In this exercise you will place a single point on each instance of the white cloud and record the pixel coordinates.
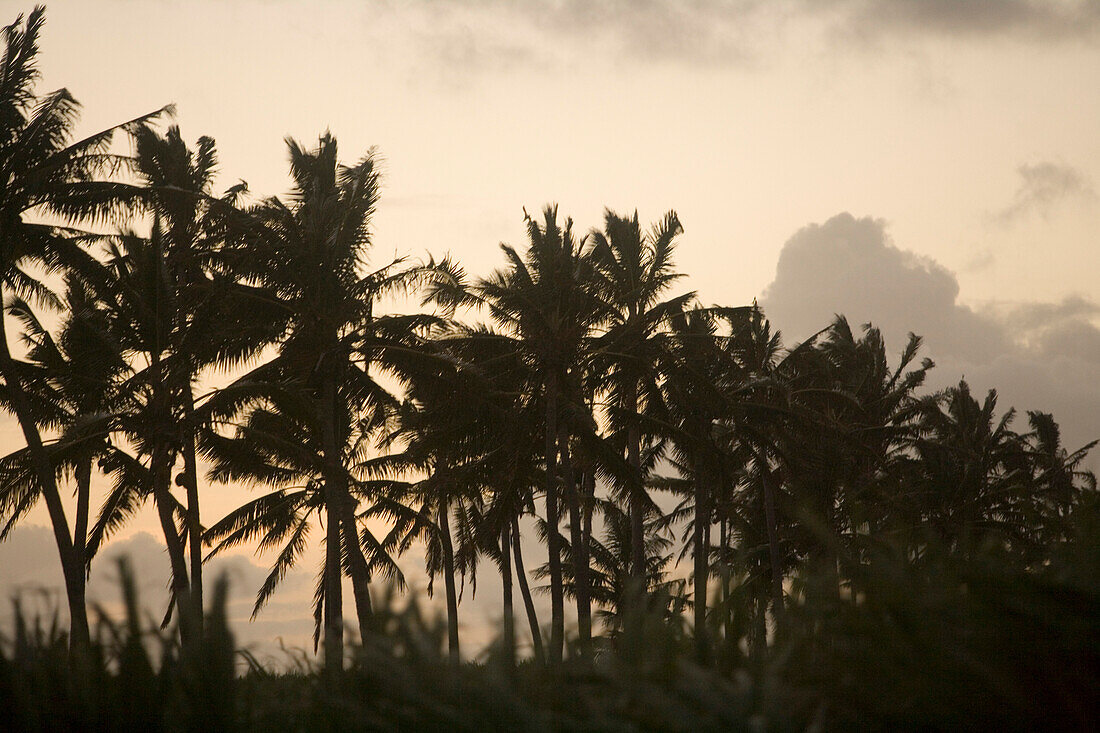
(1039, 356)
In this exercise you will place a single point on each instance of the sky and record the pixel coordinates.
(929, 165)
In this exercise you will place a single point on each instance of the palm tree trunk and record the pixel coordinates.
(525, 592)
(73, 571)
(83, 501)
(360, 570)
(580, 549)
(161, 470)
(508, 637)
(637, 515)
(557, 597)
(336, 491)
(194, 525)
(759, 645)
(334, 594)
(589, 484)
(342, 517)
(443, 519)
(724, 577)
(335, 527)
(701, 549)
(165, 504)
(770, 517)
(80, 528)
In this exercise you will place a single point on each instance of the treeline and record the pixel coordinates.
(580, 389)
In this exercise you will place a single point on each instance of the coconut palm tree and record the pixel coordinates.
(310, 254)
(1058, 480)
(546, 304)
(51, 189)
(466, 429)
(635, 270)
(70, 381)
(701, 373)
(972, 473)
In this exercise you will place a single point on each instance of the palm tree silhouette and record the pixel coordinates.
(545, 302)
(51, 187)
(70, 380)
(323, 386)
(635, 270)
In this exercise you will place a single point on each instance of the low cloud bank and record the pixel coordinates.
(1039, 356)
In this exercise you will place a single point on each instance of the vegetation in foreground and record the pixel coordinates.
(936, 645)
(862, 552)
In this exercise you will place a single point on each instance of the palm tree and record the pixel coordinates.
(439, 427)
(467, 429)
(142, 310)
(701, 371)
(50, 188)
(761, 409)
(1058, 480)
(310, 255)
(972, 474)
(546, 304)
(276, 442)
(635, 270)
(176, 309)
(190, 219)
(70, 381)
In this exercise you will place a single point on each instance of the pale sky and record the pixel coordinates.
(962, 138)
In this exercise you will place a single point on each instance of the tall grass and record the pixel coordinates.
(937, 643)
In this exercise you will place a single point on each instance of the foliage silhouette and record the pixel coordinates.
(771, 537)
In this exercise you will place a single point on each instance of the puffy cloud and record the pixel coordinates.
(1039, 356)
(1044, 186)
(849, 266)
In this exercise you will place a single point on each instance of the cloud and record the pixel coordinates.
(969, 19)
(500, 35)
(1039, 356)
(1043, 187)
(981, 261)
(849, 266)
(32, 571)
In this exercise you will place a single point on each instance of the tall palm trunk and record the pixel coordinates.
(72, 569)
(701, 551)
(759, 641)
(724, 577)
(443, 519)
(525, 592)
(580, 548)
(191, 483)
(636, 507)
(557, 597)
(162, 497)
(334, 528)
(508, 637)
(343, 528)
(83, 501)
(771, 518)
(334, 592)
(360, 569)
(588, 481)
(161, 477)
